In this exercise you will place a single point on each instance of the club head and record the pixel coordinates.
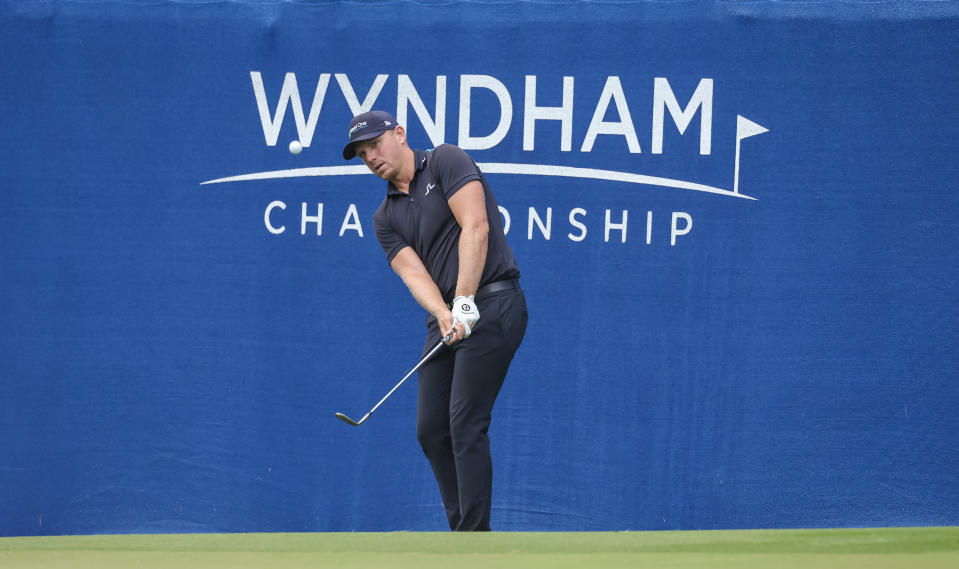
(347, 420)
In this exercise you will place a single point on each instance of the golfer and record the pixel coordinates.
(440, 228)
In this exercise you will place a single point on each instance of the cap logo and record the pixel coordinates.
(357, 127)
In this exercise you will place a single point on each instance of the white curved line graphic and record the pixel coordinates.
(500, 168)
(295, 173)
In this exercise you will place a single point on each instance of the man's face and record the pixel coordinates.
(383, 154)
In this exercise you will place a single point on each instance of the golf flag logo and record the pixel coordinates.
(744, 129)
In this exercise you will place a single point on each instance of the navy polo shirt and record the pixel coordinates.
(423, 219)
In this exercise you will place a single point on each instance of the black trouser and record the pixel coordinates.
(457, 389)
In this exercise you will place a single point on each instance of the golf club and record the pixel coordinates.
(349, 421)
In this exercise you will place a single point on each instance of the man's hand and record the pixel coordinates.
(448, 328)
(465, 313)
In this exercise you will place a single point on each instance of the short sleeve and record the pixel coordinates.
(391, 241)
(452, 168)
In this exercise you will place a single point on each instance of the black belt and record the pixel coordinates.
(490, 288)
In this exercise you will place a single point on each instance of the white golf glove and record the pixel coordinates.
(466, 313)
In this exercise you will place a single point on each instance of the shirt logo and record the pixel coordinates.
(428, 188)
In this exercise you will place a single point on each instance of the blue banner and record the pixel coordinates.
(735, 224)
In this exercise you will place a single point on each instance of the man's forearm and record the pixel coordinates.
(425, 292)
(472, 254)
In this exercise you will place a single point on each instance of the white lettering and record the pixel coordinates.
(434, 124)
(506, 220)
(289, 94)
(577, 224)
(681, 222)
(663, 97)
(317, 219)
(544, 229)
(613, 90)
(675, 231)
(356, 107)
(354, 224)
(532, 113)
(619, 226)
(467, 84)
(406, 95)
(266, 217)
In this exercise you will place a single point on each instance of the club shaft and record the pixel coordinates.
(397, 386)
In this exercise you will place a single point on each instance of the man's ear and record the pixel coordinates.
(401, 133)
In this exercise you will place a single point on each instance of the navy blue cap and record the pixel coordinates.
(366, 126)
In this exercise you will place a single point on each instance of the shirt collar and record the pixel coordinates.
(419, 159)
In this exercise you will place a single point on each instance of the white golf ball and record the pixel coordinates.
(296, 147)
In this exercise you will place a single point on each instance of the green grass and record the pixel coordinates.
(912, 548)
